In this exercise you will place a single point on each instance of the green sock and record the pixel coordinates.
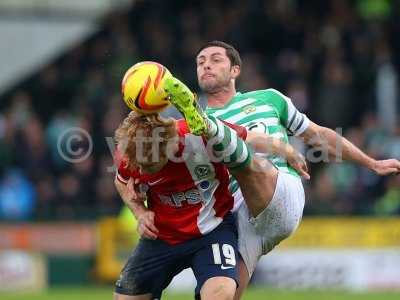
(226, 145)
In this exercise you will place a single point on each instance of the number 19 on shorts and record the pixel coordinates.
(228, 254)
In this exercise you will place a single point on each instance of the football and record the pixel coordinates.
(142, 87)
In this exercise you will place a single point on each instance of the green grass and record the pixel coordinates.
(105, 293)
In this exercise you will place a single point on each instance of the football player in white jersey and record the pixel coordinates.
(274, 197)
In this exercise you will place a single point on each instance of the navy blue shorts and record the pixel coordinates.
(154, 263)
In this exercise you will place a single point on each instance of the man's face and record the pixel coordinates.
(153, 167)
(214, 70)
(157, 148)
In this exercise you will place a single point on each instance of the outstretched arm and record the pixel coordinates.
(319, 136)
(263, 143)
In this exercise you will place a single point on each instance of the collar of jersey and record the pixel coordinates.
(226, 104)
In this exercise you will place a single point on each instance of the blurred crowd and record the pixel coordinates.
(337, 60)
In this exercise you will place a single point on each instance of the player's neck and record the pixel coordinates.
(220, 98)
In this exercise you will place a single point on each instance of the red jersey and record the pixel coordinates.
(189, 197)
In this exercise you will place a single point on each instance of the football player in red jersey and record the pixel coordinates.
(188, 221)
(188, 214)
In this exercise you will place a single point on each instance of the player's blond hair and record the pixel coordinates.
(142, 126)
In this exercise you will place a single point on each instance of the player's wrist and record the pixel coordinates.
(139, 210)
(371, 164)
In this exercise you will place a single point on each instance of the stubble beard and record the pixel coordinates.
(210, 88)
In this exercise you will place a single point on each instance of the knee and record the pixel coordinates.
(227, 295)
(219, 289)
(220, 292)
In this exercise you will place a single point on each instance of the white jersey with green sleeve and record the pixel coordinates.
(267, 111)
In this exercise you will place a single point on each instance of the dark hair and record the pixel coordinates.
(231, 52)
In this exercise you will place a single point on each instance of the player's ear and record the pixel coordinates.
(235, 71)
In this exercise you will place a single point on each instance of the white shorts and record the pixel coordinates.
(282, 216)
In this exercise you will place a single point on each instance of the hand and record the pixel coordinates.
(145, 217)
(386, 167)
(298, 162)
(146, 227)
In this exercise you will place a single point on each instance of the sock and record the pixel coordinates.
(226, 145)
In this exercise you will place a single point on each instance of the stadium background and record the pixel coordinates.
(62, 62)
